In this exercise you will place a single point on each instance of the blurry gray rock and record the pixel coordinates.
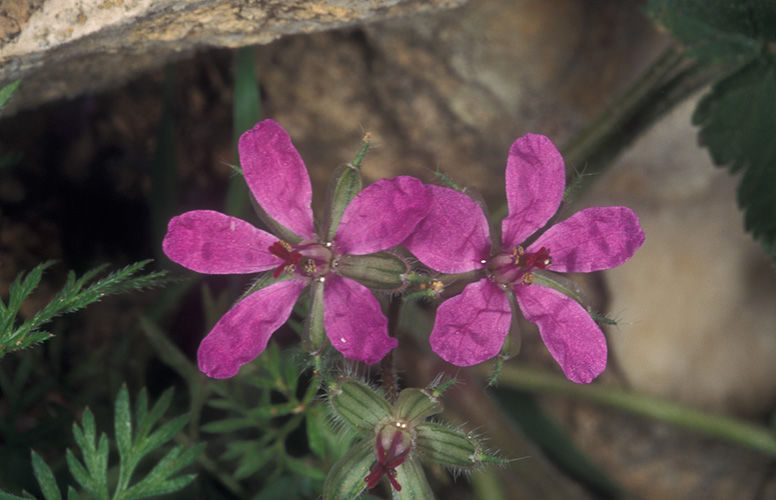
(63, 48)
(696, 301)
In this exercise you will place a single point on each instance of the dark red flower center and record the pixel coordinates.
(306, 259)
(398, 442)
(515, 267)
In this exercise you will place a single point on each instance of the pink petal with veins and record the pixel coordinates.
(592, 239)
(354, 323)
(471, 327)
(381, 216)
(568, 331)
(213, 243)
(453, 238)
(243, 332)
(535, 179)
(278, 177)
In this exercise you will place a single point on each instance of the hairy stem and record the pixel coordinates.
(387, 365)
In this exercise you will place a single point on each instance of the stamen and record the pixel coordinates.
(283, 250)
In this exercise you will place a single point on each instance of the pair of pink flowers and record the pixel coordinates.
(443, 228)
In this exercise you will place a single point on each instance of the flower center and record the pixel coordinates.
(515, 267)
(392, 448)
(307, 259)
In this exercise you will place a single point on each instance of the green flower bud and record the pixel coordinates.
(359, 405)
(450, 447)
(344, 186)
(345, 480)
(412, 479)
(382, 271)
(314, 332)
(416, 405)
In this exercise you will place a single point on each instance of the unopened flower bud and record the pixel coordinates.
(359, 405)
(381, 271)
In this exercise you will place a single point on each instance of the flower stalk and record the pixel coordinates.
(734, 430)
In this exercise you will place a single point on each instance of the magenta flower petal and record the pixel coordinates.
(354, 323)
(471, 327)
(277, 177)
(592, 239)
(243, 332)
(381, 216)
(453, 238)
(213, 243)
(568, 331)
(535, 179)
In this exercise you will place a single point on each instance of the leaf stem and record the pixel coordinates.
(731, 429)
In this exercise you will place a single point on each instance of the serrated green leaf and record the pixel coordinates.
(737, 119)
(719, 30)
(48, 485)
(72, 494)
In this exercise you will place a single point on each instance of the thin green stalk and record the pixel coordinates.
(731, 429)
(387, 365)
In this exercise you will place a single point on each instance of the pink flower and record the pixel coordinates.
(378, 218)
(471, 327)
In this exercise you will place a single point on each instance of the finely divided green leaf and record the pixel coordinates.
(737, 119)
(123, 423)
(76, 294)
(48, 485)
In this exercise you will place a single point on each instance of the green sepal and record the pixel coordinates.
(381, 271)
(345, 480)
(560, 283)
(415, 405)
(345, 185)
(413, 482)
(445, 446)
(264, 280)
(359, 405)
(314, 332)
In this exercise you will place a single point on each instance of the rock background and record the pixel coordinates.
(449, 91)
(65, 47)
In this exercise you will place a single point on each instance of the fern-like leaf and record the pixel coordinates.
(76, 294)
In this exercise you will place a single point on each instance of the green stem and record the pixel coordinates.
(356, 163)
(731, 429)
(387, 365)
